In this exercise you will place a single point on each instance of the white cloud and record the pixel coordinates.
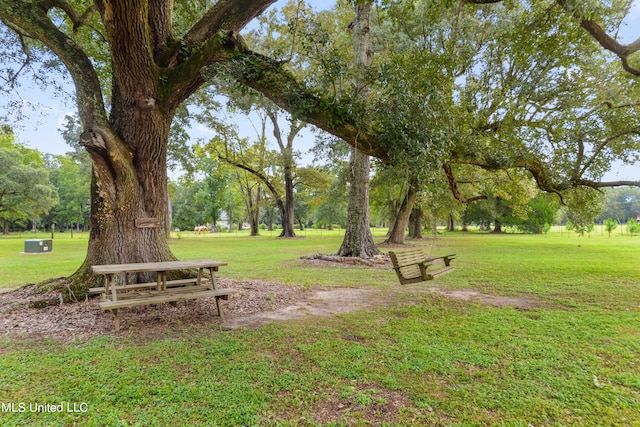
(62, 118)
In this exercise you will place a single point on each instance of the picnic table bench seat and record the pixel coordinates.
(133, 286)
(115, 296)
(412, 266)
(159, 297)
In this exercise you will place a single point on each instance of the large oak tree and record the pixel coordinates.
(152, 73)
(133, 64)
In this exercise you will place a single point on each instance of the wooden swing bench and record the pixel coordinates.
(412, 266)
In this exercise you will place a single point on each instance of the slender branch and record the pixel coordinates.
(603, 145)
(262, 177)
(25, 49)
(35, 23)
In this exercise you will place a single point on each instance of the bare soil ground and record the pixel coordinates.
(254, 304)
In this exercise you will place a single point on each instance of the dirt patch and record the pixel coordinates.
(493, 300)
(319, 303)
(254, 304)
(364, 405)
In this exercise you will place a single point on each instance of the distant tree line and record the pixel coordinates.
(40, 190)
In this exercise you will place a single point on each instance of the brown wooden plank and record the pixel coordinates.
(165, 297)
(170, 283)
(150, 292)
(141, 267)
(148, 223)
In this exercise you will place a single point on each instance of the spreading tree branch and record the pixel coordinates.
(34, 22)
(270, 78)
(622, 51)
(453, 185)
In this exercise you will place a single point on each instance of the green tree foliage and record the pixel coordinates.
(201, 198)
(185, 213)
(71, 175)
(610, 225)
(25, 189)
(633, 227)
(542, 212)
(621, 204)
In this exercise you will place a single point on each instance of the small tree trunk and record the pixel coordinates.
(253, 210)
(286, 209)
(397, 233)
(5, 230)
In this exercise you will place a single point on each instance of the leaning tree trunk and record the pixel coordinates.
(358, 240)
(397, 232)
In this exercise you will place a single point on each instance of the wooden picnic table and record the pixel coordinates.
(115, 295)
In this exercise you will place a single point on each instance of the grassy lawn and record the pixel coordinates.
(426, 360)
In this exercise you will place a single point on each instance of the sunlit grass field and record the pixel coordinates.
(425, 360)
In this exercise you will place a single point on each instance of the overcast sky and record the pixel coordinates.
(40, 131)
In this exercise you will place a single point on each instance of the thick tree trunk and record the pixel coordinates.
(129, 203)
(397, 233)
(358, 240)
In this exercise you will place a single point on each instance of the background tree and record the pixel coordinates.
(610, 225)
(71, 176)
(186, 213)
(633, 227)
(276, 169)
(25, 189)
(358, 240)
(330, 196)
(210, 196)
(621, 204)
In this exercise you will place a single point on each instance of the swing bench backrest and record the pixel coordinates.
(412, 265)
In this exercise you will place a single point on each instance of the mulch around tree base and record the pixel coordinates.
(255, 303)
(84, 320)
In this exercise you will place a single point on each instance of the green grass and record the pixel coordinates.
(574, 361)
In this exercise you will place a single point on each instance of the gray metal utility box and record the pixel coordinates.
(38, 246)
